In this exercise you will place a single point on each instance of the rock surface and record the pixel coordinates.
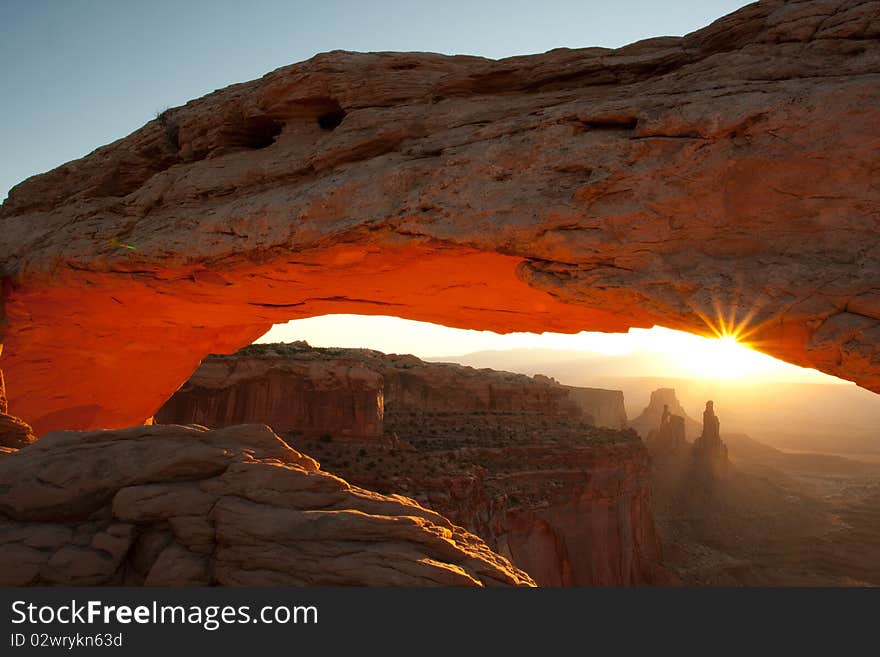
(512, 458)
(669, 436)
(606, 407)
(15, 432)
(571, 510)
(709, 447)
(316, 397)
(347, 392)
(650, 419)
(173, 505)
(726, 179)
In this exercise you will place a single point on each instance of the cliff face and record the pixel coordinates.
(176, 506)
(606, 407)
(414, 385)
(570, 516)
(347, 392)
(571, 510)
(341, 397)
(725, 177)
(512, 458)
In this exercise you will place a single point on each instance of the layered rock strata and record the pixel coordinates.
(339, 397)
(348, 392)
(570, 513)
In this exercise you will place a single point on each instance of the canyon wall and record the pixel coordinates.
(606, 407)
(721, 181)
(570, 516)
(184, 506)
(571, 509)
(341, 397)
(346, 392)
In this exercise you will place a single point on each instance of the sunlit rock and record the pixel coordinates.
(175, 506)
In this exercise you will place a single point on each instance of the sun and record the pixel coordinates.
(723, 357)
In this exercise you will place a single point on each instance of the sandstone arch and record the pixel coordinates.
(728, 175)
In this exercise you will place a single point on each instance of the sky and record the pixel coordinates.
(77, 74)
(679, 354)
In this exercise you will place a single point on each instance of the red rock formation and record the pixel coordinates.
(4, 404)
(570, 513)
(582, 516)
(605, 407)
(709, 447)
(669, 436)
(172, 506)
(725, 177)
(344, 392)
(15, 432)
(341, 397)
(663, 400)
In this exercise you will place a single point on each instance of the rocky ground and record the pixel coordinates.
(172, 505)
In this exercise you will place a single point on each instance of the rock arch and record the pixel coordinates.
(729, 177)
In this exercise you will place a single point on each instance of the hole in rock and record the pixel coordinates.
(331, 120)
(256, 132)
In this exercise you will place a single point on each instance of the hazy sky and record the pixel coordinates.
(77, 74)
(677, 354)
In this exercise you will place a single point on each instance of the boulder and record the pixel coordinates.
(180, 506)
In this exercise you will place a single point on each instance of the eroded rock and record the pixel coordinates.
(179, 506)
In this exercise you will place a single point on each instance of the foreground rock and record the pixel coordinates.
(14, 432)
(172, 505)
(725, 177)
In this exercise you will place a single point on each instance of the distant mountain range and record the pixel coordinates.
(804, 416)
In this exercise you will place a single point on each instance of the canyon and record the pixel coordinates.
(724, 180)
(516, 460)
